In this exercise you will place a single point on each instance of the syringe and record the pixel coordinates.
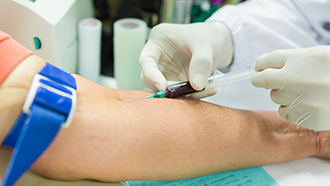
(217, 79)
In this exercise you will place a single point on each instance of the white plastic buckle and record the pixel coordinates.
(33, 90)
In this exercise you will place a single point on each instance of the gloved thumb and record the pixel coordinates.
(155, 86)
(204, 93)
(200, 68)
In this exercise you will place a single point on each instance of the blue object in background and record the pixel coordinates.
(243, 177)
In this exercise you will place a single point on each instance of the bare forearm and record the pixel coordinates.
(167, 139)
(193, 139)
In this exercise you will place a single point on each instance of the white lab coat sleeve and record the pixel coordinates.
(261, 26)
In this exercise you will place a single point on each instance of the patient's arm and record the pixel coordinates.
(160, 139)
(112, 140)
(13, 92)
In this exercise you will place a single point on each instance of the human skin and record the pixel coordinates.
(158, 139)
(13, 92)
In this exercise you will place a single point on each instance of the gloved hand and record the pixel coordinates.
(300, 83)
(176, 52)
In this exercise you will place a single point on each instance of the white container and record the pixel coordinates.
(90, 31)
(130, 36)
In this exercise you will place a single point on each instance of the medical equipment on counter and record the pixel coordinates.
(217, 79)
(46, 27)
(49, 105)
(90, 33)
(173, 11)
(130, 36)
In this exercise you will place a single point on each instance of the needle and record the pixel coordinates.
(159, 94)
(136, 99)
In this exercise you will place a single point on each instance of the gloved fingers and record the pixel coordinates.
(302, 117)
(200, 67)
(152, 76)
(174, 73)
(311, 118)
(275, 59)
(149, 85)
(287, 113)
(283, 97)
(268, 79)
(172, 82)
(296, 114)
(204, 94)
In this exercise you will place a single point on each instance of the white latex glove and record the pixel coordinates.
(182, 52)
(300, 83)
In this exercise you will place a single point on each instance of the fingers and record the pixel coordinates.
(284, 113)
(200, 68)
(274, 59)
(151, 75)
(204, 94)
(268, 79)
(285, 97)
(297, 115)
(149, 85)
(281, 98)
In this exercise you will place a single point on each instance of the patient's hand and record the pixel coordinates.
(161, 139)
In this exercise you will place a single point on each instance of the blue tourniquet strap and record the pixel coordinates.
(35, 137)
(13, 135)
(50, 106)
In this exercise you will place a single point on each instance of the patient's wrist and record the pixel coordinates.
(13, 92)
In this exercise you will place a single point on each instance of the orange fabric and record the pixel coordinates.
(11, 54)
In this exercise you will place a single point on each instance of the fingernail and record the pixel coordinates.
(160, 87)
(199, 80)
(212, 92)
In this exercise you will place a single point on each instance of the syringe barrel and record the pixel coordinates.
(217, 79)
(239, 75)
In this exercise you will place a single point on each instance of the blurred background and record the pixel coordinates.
(100, 40)
(152, 12)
